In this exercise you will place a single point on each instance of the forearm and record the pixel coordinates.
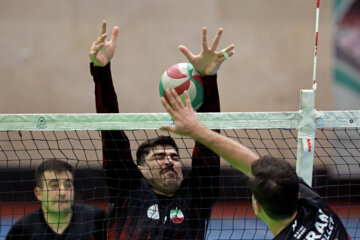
(211, 101)
(120, 172)
(105, 95)
(203, 156)
(233, 152)
(117, 158)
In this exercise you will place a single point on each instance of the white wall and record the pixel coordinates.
(44, 51)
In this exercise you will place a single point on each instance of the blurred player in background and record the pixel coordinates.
(59, 217)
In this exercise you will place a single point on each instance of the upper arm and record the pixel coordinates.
(121, 173)
(119, 168)
(205, 162)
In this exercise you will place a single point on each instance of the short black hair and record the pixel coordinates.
(275, 186)
(148, 145)
(51, 165)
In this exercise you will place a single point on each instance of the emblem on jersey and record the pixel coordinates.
(294, 225)
(176, 215)
(153, 212)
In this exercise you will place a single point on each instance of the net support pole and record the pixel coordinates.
(306, 135)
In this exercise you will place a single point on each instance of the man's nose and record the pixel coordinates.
(63, 188)
(168, 160)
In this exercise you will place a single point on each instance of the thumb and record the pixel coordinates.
(188, 54)
(167, 128)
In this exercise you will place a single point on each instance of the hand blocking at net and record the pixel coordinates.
(185, 120)
(188, 124)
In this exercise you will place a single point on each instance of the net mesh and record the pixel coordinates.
(336, 173)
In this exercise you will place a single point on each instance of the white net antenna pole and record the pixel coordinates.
(307, 126)
(316, 43)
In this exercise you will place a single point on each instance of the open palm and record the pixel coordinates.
(208, 61)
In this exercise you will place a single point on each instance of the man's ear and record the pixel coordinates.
(141, 167)
(256, 205)
(37, 192)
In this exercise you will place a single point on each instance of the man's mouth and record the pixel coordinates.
(169, 171)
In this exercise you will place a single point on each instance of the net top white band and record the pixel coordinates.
(129, 121)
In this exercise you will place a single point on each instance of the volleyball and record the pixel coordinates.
(181, 77)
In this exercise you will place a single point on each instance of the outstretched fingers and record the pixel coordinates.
(204, 39)
(96, 47)
(227, 52)
(177, 110)
(187, 99)
(165, 102)
(174, 100)
(173, 103)
(99, 42)
(114, 35)
(169, 109)
(229, 49)
(103, 28)
(101, 39)
(216, 40)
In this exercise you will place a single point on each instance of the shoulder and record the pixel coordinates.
(316, 218)
(32, 217)
(306, 191)
(80, 207)
(87, 210)
(27, 224)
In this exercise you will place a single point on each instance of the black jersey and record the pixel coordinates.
(87, 223)
(137, 212)
(314, 220)
(146, 215)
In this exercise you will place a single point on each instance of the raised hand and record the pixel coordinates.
(184, 117)
(186, 123)
(208, 61)
(102, 51)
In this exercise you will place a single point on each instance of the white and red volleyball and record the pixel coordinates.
(181, 77)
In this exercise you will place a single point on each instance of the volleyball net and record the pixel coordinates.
(323, 146)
